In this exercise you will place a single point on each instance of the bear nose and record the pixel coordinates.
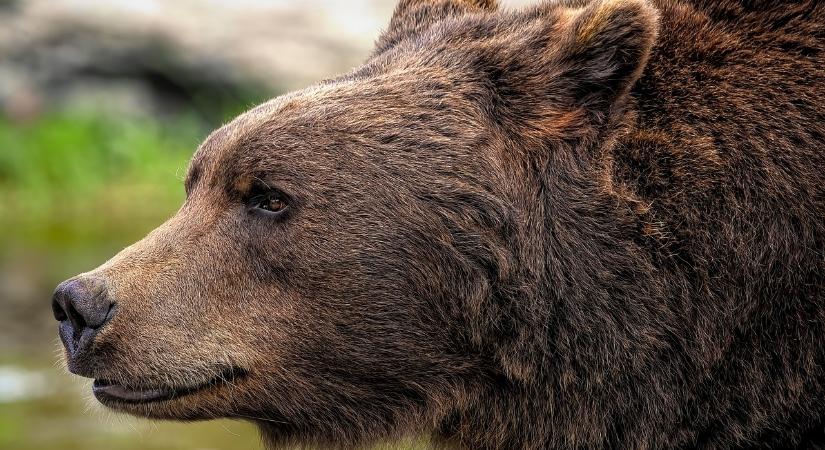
(81, 306)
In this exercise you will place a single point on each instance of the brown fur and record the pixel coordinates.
(587, 224)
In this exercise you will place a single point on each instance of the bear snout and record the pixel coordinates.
(82, 306)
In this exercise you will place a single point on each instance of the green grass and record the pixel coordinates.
(68, 179)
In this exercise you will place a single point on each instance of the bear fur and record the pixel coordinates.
(585, 224)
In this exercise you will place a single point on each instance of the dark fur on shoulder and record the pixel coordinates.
(585, 224)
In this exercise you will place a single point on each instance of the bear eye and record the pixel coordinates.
(271, 202)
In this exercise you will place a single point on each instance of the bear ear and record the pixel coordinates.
(570, 75)
(413, 16)
(604, 49)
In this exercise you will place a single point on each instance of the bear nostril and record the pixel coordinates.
(58, 311)
(77, 320)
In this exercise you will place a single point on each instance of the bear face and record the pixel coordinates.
(299, 259)
(346, 261)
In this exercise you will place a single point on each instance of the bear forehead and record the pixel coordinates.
(423, 103)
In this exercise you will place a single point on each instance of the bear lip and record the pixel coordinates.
(108, 391)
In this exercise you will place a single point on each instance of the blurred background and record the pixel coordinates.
(102, 103)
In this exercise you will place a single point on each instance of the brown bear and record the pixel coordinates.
(585, 224)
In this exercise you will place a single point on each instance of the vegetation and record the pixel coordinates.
(70, 179)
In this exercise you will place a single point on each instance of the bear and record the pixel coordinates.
(579, 224)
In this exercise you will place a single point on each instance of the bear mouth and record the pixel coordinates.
(107, 391)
